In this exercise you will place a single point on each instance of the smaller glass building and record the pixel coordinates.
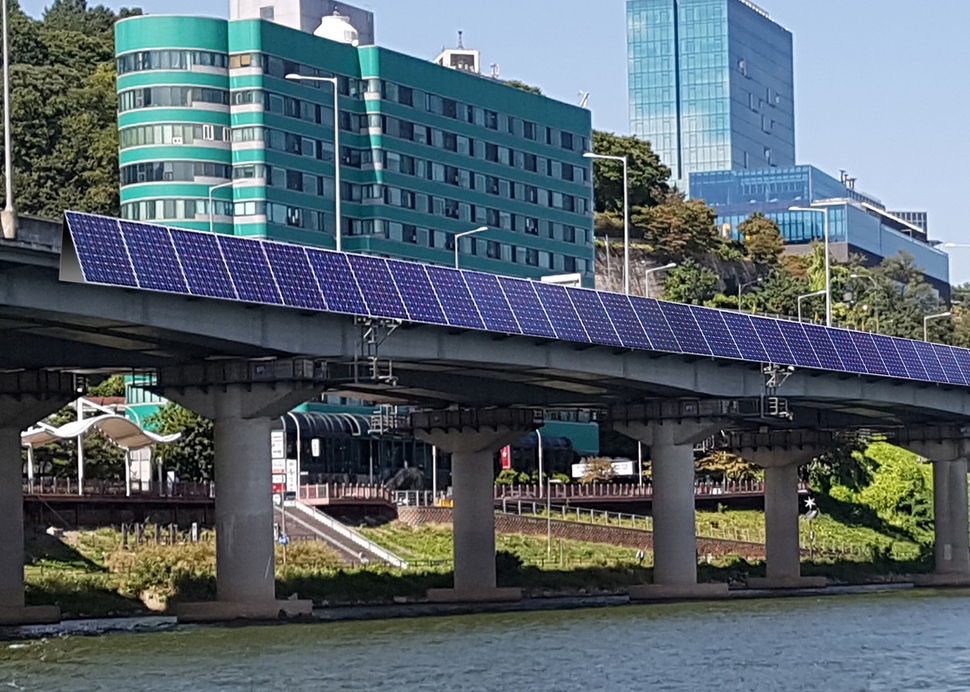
(858, 220)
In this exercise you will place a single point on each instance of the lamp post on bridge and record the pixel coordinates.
(926, 323)
(807, 295)
(459, 236)
(828, 263)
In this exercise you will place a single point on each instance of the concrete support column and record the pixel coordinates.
(783, 553)
(472, 438)
(25, 398)
(242, 399)
(951, 519)
(674, 540)
(474, 521)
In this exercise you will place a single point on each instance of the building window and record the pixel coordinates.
(266, 13)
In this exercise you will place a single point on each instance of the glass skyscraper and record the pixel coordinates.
(711, 84)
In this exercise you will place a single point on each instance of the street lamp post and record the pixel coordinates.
(926, 323)
(540, 458)
(807, 295)
(648, 272)
(626, 212)
(458, 236)
(549, 485)
(338, 232)
(875, 284)
(742, 286)
(9, 214)
(828, 264)
(212, 212)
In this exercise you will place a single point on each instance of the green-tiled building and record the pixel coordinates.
(426, 151)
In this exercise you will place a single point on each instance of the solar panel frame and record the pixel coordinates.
(337, 282)
(294, 276)
(825, 350)
(890, 356)
(716, 333)
(249, 268)
(594, 317)
(869, 353)
(555, 300)
(929, 360)
(625, 321)
(377, 287)
(101, 250)
(205, 269)
(492, 304)
(948, 361)
(773, 340)
(747, 339)
(416, 291)
(847, 350)
(526, 307)
(153, 257)
(455, 298)
(798, 344)
(689, 335)
(911, 360)
(962, 356)
(655, 324)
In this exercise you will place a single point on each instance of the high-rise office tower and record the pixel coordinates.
(711, 84)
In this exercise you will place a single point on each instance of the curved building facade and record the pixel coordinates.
(173, 120)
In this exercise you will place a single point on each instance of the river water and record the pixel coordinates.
(914, 640)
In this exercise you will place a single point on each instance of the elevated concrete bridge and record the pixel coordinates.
(480, 389)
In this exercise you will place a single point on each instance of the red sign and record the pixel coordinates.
(279, 488)
(506, 455)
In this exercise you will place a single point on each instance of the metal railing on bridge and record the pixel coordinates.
(595, 491)
(336, 493)
(64, 487)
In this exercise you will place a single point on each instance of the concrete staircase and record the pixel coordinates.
(354, 548)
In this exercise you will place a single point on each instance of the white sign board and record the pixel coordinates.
(277, 444)
(620, 468)
(292, 476)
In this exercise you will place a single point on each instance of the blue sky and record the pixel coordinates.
(880, 84)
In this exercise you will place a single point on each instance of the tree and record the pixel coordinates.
(598, 470)
(778, 293)
(762, 239)
(191, 457)
(110, 387)
(678, 228)
(647, 175)
(516, 84)
(689, 282)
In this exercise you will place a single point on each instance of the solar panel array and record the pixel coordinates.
(124, 253)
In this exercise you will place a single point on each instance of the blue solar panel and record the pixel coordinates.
(655, 324)
(416, 292)
(202, 263)
(377, 287)
(337, 282)
(847, 350)
(716, 332)
(890, 356)
(685, 327)
(747, 339)
(298, 286)
(526, 307)
(250, 271)
(593, 315)
(455, 298)
(774, 343)
(932, 364)
(911, 360)
(133, 254)
(492, 303)
(827, 354)
(562, 314)
(949, 362)
(869, 353)
(153, 257)
(625, 321)
(101, 250)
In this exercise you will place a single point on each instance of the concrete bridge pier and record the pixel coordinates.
(949, 452)
(671, 444)
(242, 399)
(782, 550)
(25, 398)
(472, 437)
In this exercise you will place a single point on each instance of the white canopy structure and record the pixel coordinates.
(120, 430)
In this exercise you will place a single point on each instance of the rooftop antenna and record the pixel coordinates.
(461, 44)
(584, 101)
(496, 70)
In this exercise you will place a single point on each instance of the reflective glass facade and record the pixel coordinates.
(711, 84)
(855, 218)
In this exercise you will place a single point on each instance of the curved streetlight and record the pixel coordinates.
(742, 286)
(828, 265)
(926, 323)
(480, 229)
(626, 213)
(212, 212)
(648, 272)
(338, 233)
(803, 297)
